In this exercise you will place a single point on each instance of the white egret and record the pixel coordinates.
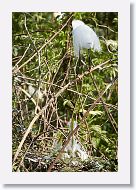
(84, 37)
(75, 147)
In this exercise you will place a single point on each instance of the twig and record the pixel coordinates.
(63, 148)
(21, 57)
(76, 129)
(79, 77)
(104, 105)
(44, 45)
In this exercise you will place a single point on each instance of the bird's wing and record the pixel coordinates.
(76, 44)
(87, 38)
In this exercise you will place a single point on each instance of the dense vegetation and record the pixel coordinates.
(57, 100)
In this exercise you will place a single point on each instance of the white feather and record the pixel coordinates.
(84, 37)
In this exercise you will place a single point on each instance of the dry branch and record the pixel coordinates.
(44, 45)
(79, 77)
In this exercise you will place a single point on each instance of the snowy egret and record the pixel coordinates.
(84, 37)
(74, 146)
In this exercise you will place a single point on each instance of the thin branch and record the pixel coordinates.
(76, 129)
(44, 45)
(50, 101)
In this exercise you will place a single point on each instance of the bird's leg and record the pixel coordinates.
(79, 59)
(89, 59)
(79, 64)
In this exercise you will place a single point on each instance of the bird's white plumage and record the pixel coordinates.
(84, 37)
(76, 23)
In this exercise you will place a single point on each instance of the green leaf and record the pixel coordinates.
(68, 103)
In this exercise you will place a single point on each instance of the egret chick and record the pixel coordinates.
(84, 37)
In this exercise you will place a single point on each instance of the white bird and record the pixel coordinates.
(74, 146)
(84, 37)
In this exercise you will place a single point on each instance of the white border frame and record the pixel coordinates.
(6, 174)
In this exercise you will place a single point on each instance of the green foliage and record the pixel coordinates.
(43, 60)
